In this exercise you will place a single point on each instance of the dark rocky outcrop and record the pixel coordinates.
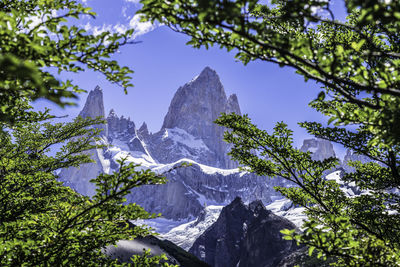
(244, 235)
(175, 255)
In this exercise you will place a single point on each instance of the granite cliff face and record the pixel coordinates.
(193, 109)
(191, 188)
(94, 107)
(78, 178)
(321, 149)
(244, 235)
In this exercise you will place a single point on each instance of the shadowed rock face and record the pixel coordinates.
(188, 188)
(119, 126)
(143, 131)
(196, 106)
(352, 156)
(94, 107)
(320, 149)
(78, 178)
(244, 236)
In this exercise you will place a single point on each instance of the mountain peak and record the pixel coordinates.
(207, 72)
(97, 88)
(232, 105)
(112, 113)
(94, 107)
(194, 108)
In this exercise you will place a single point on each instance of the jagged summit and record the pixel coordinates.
(119, 126)
(194, 108)
(233, 104)
(143, 131)
(94, 107)
(208, 73)
(112, 113)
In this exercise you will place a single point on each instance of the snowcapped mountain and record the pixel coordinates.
(193, 199)
(188, 134)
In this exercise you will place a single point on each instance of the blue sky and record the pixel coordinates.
(163, 62)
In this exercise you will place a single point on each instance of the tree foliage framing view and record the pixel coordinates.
(42, 222)
(357, 63)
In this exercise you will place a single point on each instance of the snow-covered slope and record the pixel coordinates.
(185, 234)
(285, 208)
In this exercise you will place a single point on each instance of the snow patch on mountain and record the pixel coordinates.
(162, 225)
(285, 208)
(103, 161)
(162, 168)
(335, 176)
(180, 136)
(120, 150)
(185, 234)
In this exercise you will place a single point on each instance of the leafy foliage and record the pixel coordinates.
(360, 230)
(352, 59)
(37, 40)
(42, 222)
(357, 64)
(45, 222)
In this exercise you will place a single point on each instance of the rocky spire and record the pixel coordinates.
(94, 107)
(119, 126)
(196, 106)
(79, 178)
(143, 130)
(232, 105)
(112, 113)
(200, 100)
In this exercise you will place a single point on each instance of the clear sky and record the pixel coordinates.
(163, 62)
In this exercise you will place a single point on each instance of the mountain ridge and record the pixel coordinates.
(212, 179)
